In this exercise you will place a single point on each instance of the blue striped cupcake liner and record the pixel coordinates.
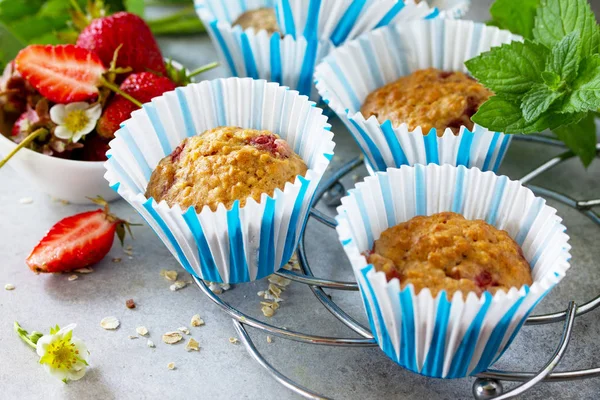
(351, 72)
(453, 9)
(445, 337)
(259, 55)
(233, 245)
(341, 20)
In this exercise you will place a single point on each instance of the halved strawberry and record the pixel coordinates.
(77, 241)
(63, 73)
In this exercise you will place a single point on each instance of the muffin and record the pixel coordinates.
(259, 19)
(445, 251)
(429, 98)
(223, 165)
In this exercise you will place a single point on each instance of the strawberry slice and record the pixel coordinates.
(63, 73)
(77, 241)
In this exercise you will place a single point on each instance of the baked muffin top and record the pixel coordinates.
(429, 98)
(447, 252)
(223, 165)
(259, 19)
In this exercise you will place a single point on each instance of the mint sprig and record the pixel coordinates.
(550, 82)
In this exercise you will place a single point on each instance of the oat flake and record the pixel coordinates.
(86, 270)
(26, 200)
(269, 340)
(183, 329)
(169, 275)
(133, 337)
(72, 278)
(197, 321)
(172, 337)
(178, 285)
(233, 340)
(141, 330)
(171, 365)
(150, 343)
(116, 260)
(192, 344)
(110, 323)
(9, 286)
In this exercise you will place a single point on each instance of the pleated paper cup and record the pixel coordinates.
(243, 243)
(351, 72)
(341, 20)
(246, 53)
(453, 9)
(445, 337)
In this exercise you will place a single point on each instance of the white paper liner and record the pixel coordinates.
(453, 9)
(351, 72)
(260, 55)
(244, 243)
(457, 337)
(342, 20)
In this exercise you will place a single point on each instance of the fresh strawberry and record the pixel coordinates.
(77, 241)
(94, 148)
(139, 49)
(24, 122)
(143, 86)
(63, 73)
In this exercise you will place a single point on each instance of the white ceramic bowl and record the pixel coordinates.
(69, 180)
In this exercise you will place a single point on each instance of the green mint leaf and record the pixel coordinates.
(515, 16)
(580, 138)
(11, 10)
(585, 95)
(538, 100)
(503, 114)
(11, 44)
(565, 57)
(511, 69)
(551, 79)
(557, 18)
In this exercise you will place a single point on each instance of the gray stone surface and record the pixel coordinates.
(126, 369)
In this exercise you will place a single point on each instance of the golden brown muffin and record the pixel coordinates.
(259, 19)
(429, 98)
(445, 251)
(223, 165)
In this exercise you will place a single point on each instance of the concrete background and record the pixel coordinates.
(127, 369)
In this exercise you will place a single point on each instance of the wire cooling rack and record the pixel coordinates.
(488, 385)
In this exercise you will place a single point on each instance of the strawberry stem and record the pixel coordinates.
(24, 335)
(203, 68)
(118, 91)
(32, 136)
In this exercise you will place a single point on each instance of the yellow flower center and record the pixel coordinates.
(61, 354)
(76, 120)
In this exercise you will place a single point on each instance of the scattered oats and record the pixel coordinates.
(287, 267)
(197, 321)
(192, 344)
(172, 337)
(130, 303)
(116, 260)
(168, 275)
(129, 247)
(218, 288)
(65, 202)
(269, 340)
(128, 252)
(26, 200)
(141, 330)
(178, 285)
(275, 290)
(261, 293)
(9, 286)
(233, 340)
(171, 365)
(110, 323)
(279, 280)
(267, 311)
(183, 329)
(72, 277)
(130, 258)
(133, 337)
(355, 178)
(86, 270)
(150, 344)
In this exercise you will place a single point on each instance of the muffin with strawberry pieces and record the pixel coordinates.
(224, 165)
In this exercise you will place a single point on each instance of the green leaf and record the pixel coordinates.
(501, 114)
(555, 19)
(34, 26)
(516, 16)
(511, 69)
(11, 44)
(551, 79)
(565, 57)
(580, 138)
(538, 100)
(134, 6)
(11, 10)
(585, 94)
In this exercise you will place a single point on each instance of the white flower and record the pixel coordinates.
(74, 120)
(63, 355)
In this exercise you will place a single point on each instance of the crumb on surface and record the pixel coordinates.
(130, 303)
